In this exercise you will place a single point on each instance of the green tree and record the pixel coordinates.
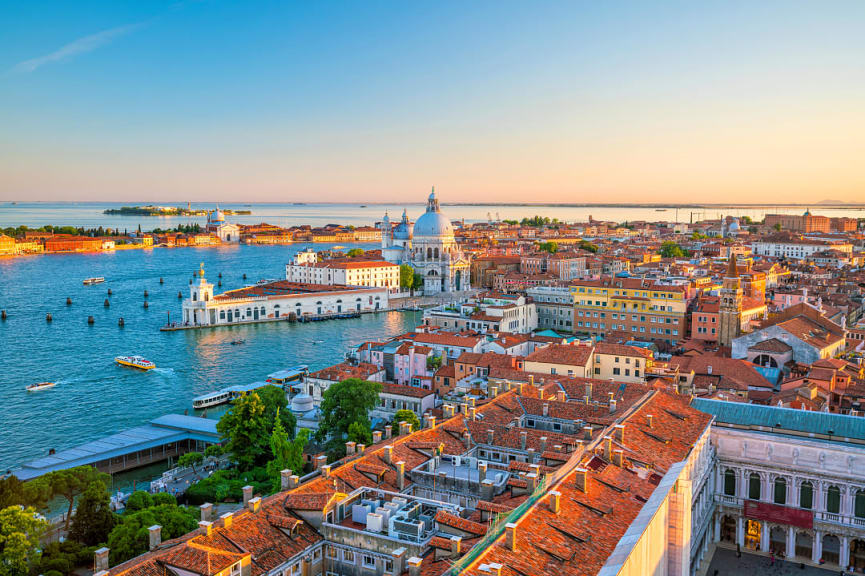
(20, 531)
(14, 492)
(777, 226)
(190, 459)
(406, 277)
(345, 403)
(287, 454)
(274, 400)
(214, 451)
(93, 518)
(71, 483)
(588, 246)
(245, 431)
(670, 249)
(130, 538)
(416, 281)
(551, 247)
(433, 363)
(138, 500)
(359, 433)
(355, 252)
(405, 416)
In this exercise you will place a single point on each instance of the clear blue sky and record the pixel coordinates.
(376, 101)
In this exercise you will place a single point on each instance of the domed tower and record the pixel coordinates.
(434, 251)
(386, 237)
(730, 310)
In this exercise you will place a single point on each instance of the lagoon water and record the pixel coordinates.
(94, 397)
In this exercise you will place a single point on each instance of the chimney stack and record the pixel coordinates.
(320, 461)
(587, 432)
(482, 470)
(494, 391)
(612, 406)
(207, 527)
(154, 536)
(404, 428)
(618, 456)
(588, 391)
(448, 410)
(472, 413)
(468, 439)
(255, 504)
(456, 546)
(400, 475)
(285, 479)
(581, 476)
(523, 437)
(205, 510)
(650, 420)
(376, 436)
(388, 454)
(226, 519)
(432, 421)
(398, 556)
(555, 497)
(247, 495)
(425, 421)
(325, 471)
(388, 432)
(361, 448)
(350, 448)
(619, 433)
(490, 435)
(414, 566)
(294, 481)
(543, 444)
(511, 536)
(608, 447)
(546, 409)
(100, 559)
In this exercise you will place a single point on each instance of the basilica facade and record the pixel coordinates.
(429, 247)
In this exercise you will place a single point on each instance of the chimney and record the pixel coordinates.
(376, 436)
(587, 432)
(320, 461)
(294, 481)
(560, 396)
(325, 471)
(206, 527)
(555, 496)
(543, 444)
(388, 432)
(414, 566)
(650, 420)
(361, 448)
(472, 413)
(587, 399)
(589, 390)
(540, 392)
(619, 433)
(472, 401)
(400, 475)
(490, 435)
(520, 388)
(255, 504)
(350, 447)
(154, 536)
(285, 479)
(404, 428)
(100, 559)
(468, 438)
(487, 489)
(482, 470)
(456, 546)
(425, 421)
(612, 406)
(306, 566)
(448, 410)
(511, 536)
(530, 454)
(523, 437)
(531, 379)
(247, 495)
(581, 476)
(618, 456)
(546, 409)
(205, 511)
(388, 454)
(398, 556)
(432, 421)
(494, 391)
(226, 519)
(608, 447)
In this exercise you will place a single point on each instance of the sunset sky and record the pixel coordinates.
(377, 101)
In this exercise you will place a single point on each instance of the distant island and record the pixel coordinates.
(166, 211)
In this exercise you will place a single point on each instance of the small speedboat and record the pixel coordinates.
(94, 280)
(135, 362)
(238, 342)
(40, 386)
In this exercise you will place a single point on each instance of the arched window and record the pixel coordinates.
(833, 500)
(780, 491)
(806, 495)
(859, 504)
(429, 253)
(754, 486)
(729, 483)
(206, 297)
(194, 296)
(436, 253)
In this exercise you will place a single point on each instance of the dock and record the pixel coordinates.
(162, 438)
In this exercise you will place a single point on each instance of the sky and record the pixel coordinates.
(377, 101)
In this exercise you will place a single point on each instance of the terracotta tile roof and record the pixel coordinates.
(462, 524)
(404, 390)
(772, 345)
(562, 354)
(344, 370)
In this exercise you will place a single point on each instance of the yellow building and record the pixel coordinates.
(7, 245)
(644, 309)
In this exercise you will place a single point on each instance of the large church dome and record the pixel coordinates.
(433, 223)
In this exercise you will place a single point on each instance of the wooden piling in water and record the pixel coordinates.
(69, 301)
(107, 303)
(91, 320)
(48, 317)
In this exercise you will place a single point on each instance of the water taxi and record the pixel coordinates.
(338, 247)
(211, 399)
(40, 386)
(135, 362)
(288, 375)
(94, 280)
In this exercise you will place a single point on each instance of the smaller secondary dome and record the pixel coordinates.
(217, 215)
(301, 402)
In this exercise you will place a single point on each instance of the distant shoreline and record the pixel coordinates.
(668, 205)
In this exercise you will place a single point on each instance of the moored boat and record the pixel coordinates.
(40, 386)
(211, 399)
(135, 362)
(94, 280)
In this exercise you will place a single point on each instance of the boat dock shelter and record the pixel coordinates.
(165, 437)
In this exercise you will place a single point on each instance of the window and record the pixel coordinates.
(348, 556)
(780, 491)
(331, 552)
(833, 500)
(859, 504)
(369, 561)
(754, 486)
(729, 483)
(235, 569)
(616, 371)
(806, 495)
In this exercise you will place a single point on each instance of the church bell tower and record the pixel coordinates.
(730, 310)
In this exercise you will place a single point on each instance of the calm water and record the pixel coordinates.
(89, 214)
(95, 397)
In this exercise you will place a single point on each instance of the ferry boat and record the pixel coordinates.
(211, 399)
(135, 362)
(40, 386)
(94, 280)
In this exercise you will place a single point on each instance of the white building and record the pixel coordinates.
(217, 225)
(488, 312)
(555, 306)
(429, 247)
(276, 300)
(796, 249)
(306, 268)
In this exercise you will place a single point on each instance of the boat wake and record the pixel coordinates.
(164, 371)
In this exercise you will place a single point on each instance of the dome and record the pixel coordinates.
(301, 402)
(433, 224)
(734, 225)
(403, 230)
(217, 215)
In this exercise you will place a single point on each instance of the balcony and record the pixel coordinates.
(729, 500)
(841, 519)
